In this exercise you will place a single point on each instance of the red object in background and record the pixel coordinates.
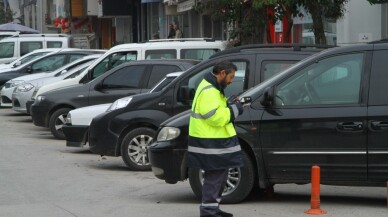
(278, 37)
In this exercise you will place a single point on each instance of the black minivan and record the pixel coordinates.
(128, 131)
(329, 110)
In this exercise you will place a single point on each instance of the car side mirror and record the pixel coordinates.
(18, 63)
(63, 71)
(268, 97)
(186, 94)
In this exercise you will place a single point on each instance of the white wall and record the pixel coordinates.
(14, 5)
(362, 23)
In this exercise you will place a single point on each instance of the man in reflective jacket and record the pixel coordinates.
(213, 144)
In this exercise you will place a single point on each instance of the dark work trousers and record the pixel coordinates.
(213, 186)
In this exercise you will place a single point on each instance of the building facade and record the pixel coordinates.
(105, 23)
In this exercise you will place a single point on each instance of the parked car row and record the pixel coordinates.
(128, 126)
(310, 106)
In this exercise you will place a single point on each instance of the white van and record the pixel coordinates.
(7, 34)
(16, 46)
(198, 49)
(308, 37)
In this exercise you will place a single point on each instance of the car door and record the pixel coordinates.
(318, 118)
(378, 119)
(124, 81)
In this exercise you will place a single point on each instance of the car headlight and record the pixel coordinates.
(23, 88)
(40, 98)
(120, 103)
(16, 83)
(12, 83)
(168, 133)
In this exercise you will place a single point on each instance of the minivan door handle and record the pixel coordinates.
(350, 126)
(379, 125)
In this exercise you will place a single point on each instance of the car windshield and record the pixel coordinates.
(75, 72)
(27, 58)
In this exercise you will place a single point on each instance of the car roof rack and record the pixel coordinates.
(39, 35)
(295, 47)
(383, 40)
(181, 39)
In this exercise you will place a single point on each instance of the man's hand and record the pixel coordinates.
(236, 107)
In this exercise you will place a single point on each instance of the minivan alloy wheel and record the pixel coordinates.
(134, 148)
(239, 183)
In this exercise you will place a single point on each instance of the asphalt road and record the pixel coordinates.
(41, 177)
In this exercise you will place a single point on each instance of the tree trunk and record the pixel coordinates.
(316, 13)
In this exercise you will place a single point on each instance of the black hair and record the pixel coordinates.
(224, 65)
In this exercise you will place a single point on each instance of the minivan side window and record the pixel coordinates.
(7, 49)
(112, 61)
(28, 46)
(158, 72)
(54, 44)
(331, 81)
(235, 88)
(160, 54)
(272, 68)
(378, 87)
(126, 77)
(197, 54)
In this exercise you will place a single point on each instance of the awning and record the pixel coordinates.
(150, 1)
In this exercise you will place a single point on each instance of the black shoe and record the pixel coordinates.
(224, 214)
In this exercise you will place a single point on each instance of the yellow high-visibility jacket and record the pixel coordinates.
(213, 143)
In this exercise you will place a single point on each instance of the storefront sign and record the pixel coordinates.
(185, 6)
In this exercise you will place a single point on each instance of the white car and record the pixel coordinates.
(26, 58)
(78, 120)
(10, 86)
(197, 49)
(21, 97)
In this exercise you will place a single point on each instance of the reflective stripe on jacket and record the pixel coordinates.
(213, 143)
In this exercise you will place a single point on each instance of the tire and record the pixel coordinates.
(240, 182)
(134, 148)
(56, 122)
